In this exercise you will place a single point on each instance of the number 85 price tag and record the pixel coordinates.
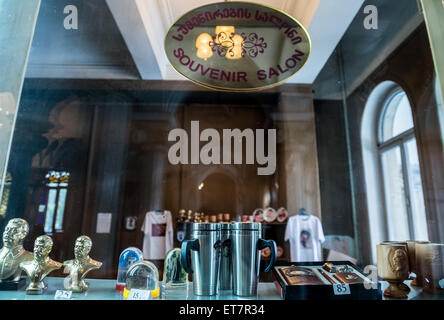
(341, 289)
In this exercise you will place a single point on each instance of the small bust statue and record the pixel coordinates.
(81, 265)
(40, 266)
(12, 253)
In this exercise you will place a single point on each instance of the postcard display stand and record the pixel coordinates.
(320, 284)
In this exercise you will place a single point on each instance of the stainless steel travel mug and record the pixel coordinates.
(201, 257)
(225, 272)
(246, 246)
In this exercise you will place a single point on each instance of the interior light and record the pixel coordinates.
(234, 53)
(238, 40)
(204, 52)
(225, 37)
(224, 31)
(203, 40)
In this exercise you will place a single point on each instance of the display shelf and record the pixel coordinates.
(415, 293)
(101, 289)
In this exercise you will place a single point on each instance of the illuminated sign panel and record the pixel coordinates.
(237, 46)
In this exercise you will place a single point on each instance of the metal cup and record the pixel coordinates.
(246, 246)
(201, 257)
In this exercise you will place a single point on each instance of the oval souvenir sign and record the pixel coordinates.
(237, 46)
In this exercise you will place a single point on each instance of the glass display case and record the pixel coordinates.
(221, 150)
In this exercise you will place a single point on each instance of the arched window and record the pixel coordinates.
(393, 183)
(401, 174)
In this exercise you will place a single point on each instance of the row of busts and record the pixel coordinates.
(14, 260)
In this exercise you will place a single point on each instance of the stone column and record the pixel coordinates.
(107, 168)
(299, 174)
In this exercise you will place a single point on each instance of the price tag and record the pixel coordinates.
(62, 295)
(137, 294)
(341, 289)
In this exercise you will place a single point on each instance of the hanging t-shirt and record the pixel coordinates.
(306, 236)
(158, 234)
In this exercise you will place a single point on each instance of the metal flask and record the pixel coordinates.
(201, 257)
(225, 271)
(246, 246)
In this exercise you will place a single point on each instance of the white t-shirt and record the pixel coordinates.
(158, 230)
(306, 236)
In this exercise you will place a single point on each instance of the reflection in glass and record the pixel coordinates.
(6, 194)
(395, 197)
(397, 116)
(440, 107)
(416, 195)
(60, 209)
(52, 195)
(57, 192)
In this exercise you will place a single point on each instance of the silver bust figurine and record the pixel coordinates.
(40, 266)
(80, 265)
(13, 253)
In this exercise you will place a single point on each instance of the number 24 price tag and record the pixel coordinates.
(341, 289)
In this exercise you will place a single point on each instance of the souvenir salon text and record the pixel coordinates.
(211, 152)
(238, 76)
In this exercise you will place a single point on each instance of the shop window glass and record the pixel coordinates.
(440, 107)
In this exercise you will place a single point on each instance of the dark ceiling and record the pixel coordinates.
(362, 50)
(97, 43)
